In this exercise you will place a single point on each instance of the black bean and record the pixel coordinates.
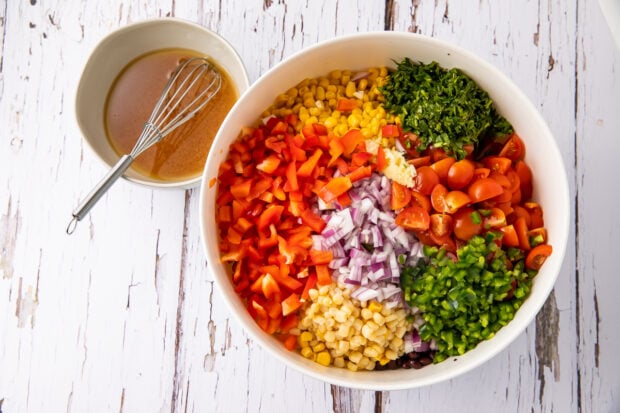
(425, 361)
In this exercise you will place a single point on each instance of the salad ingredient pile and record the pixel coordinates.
(366, 241)
(444, 108)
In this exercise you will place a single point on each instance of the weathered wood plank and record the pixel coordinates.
(598, 226)
(123, 315)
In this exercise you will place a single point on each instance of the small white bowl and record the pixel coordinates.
(116, 51)
(362, 51)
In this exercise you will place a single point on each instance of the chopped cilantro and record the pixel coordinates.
(444, 108)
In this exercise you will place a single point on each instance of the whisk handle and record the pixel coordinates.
(82, 210)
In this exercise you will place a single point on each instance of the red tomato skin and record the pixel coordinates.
(537, 256)
(483, 189)
(413, 218)
(464, 225)
(425, 180)
(400, 196)
(460, 174)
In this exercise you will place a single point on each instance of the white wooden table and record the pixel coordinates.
(123, 315)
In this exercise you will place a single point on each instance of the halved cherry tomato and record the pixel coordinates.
(536, 214)
(513, 178)
(420, 161)
(537, 256)
(494, 218)
(420, 200)
(425, 237)
(537, 236)
(437, 154)
(483, 189)
(501, 179)
(514, 148)
(456, 200)
(413, 218)
(441, 224)
(525, 178)
(442, 166)
(520, 212)
(425, 180)
(460, 174)
(522, 231)
(467, 223)
(400, 196)
(510, 238)
(497, 164)
(438, 198)
(445, 241)
(481, 173)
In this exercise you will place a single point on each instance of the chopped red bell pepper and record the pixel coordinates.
(334, 188)
(346, 105)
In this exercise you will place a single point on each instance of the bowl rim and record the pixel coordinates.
(500, 342)
(122, 30)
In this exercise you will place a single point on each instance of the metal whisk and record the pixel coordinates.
(190, 87)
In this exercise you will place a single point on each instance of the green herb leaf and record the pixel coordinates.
(444, 108)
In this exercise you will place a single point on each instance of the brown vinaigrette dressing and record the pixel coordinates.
(134, 93)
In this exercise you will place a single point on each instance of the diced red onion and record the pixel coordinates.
(367, 222)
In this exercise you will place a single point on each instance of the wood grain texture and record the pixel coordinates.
(124, 316)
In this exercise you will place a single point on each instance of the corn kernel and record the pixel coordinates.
(374, 306)
(355, 357)
(339, 362)
(370, 352)
(318, 347)
(307, 352)
(324, 358)
(352, 366)
(384, 360)
(335, 74)
(350, 90)
(369, 329)
(367, 314)
(305, 337)
(330, 336)
(343, 331)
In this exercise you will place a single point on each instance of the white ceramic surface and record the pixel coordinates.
(611, 12)
(375, 49)
(122, 46)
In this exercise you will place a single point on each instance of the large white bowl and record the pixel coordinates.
(116, 50)
(361, 51)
